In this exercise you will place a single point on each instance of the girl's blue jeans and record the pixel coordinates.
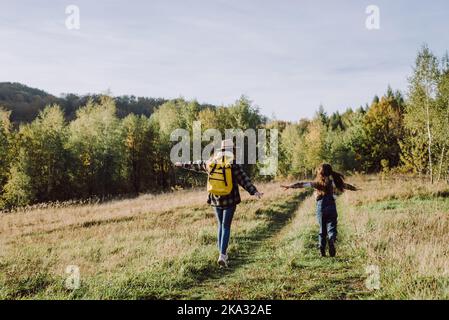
(326, 212)
(224, 217)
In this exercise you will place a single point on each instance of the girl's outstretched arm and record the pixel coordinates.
(298, 185)
(243, 180)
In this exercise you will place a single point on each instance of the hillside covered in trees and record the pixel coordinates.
(25, 103)
(75, 147)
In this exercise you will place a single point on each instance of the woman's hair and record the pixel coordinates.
(323, 172)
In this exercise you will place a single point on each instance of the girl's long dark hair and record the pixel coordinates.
(323, 172)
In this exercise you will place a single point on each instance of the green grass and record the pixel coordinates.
(287, 265)
(273, 253)
(428, 204)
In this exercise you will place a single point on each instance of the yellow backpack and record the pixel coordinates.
(219, 182)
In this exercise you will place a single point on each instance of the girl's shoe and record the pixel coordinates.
(223, 260)
(332, 250)
(323, 251)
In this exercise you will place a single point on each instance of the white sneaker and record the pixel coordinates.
(223, 260)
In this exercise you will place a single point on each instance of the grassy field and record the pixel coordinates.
(164, 247)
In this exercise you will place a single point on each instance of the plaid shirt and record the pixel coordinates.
(238, 175)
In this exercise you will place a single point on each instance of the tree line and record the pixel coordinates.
(394, 133)
(100, 152)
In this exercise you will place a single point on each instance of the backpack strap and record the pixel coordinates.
(224, 175)
(213, 168)
(223, 169)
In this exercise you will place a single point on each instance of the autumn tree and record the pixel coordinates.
(382, 131)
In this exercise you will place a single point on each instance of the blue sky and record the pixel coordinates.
(287, 56)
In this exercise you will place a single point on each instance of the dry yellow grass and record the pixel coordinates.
(127, 235)
(402, 226)
(50, 219)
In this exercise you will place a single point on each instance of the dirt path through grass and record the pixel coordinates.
(244, 248)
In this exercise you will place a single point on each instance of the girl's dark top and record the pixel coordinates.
(321, 190)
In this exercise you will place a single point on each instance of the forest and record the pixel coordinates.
(96, 146)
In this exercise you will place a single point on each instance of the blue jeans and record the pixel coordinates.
(326, 213)
(224, 217)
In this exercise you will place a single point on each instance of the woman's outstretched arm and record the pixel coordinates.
(244, 180)
(198, 166)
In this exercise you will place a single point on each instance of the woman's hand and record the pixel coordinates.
(285, 187)
(258, 195)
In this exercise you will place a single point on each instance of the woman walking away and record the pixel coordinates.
(224, 176)
(326, 209)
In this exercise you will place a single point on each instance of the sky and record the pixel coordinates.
(288, 57)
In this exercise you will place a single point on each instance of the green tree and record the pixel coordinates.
(95, 143)
(421, 110)
(242, 115)
(167, 118)
(39, 172)
(382, 130)
(18, 190)
(5, 152)
(292, 157)
(314, 144)
(139, 154)
(442, 126)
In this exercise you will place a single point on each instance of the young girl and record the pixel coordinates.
(326, 210)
